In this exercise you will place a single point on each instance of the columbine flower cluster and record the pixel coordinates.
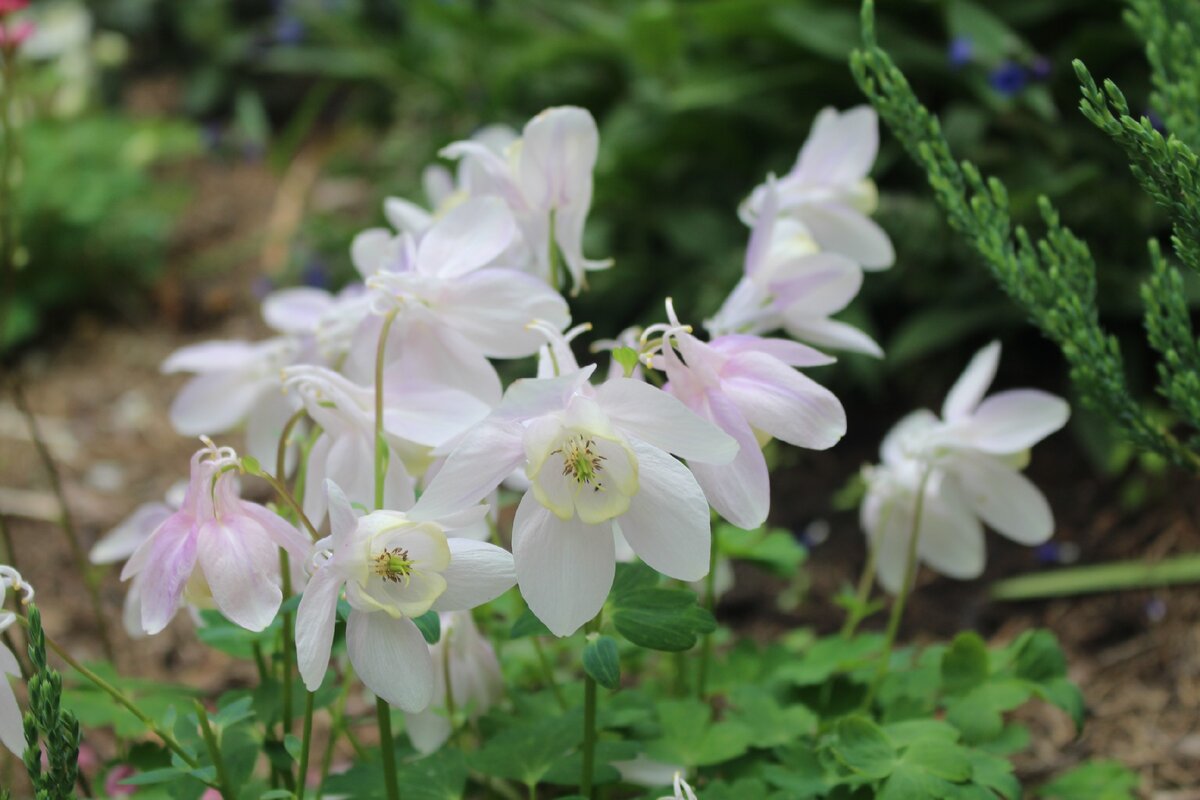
(943, 478)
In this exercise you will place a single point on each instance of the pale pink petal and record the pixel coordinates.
(667, 523)
(484, 458)
(833, 334)
(493, 308)
(440, 355)
(478, 573)
(841, 147)
(296, 310)
(371, 250)
(564, 568)
(406, 216)
(426, 414)
(558, 152)
(763, 230)
(789, 352)
(740, 491)
(1004, 498)
(315, 621)
(968, 391)
(219, 355)
(391, 658)
(468, 237)
(783, 402)
(169, 557)
(1012, 421)
(265, 424)
(121, 541)
(816, 285)
(239, 563)
(648, 413)
(844, 230)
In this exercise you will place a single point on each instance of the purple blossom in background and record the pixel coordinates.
(1009, 78)
(1156, 120)
(960, 51)
(1040, 68)
(288, 30)
(316, 273)
(1047, 553)
(262, 286)
(1156, 609)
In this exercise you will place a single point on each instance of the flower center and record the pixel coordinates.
(394, 565)
(581, 462)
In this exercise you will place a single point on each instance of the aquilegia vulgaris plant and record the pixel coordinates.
(393, 488)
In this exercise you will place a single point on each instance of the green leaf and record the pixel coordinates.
(995, 773)
(661, 619)
(940, 758)
(770, 724)
(528, 625)
(430, 625)
(775, 549)
(630, 577)
(863, 747)
(1093, 780)
(526, 752)
(627, 357)
(1039, 658)
(979, 713)
(293, 746)
(251, 465)
(600, 660)
(965, 664)
(829, 656)
(691, 738)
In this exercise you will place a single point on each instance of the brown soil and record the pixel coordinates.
(101, 402)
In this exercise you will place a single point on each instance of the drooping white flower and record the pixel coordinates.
(416, 418)
(236, 382)
(394, 567)
(12, 730)
(968, 463)
(454, 310)
(235, 544)
(789, 283)
(597, 458)
(121, 542)
(748, 386)
(325, 319)
(828, 190)
(546, 179)
(467, 657)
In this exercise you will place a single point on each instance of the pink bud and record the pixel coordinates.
(112, 783)
(210, 794)
(9, 6)
(11, 36)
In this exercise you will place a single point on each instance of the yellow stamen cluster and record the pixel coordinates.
(393, 565)
(581, 462)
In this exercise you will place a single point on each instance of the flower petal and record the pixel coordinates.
(406, 216)
(841, 147)
(667, 523)
(216, 402)
(316, 619)
(558, 153)
(427, 730)
(968, 391)
(777, 399)
(237, 559)
(391, 658)
(492, 309)
(169, 557)
(1012, 421)
(296, 310)
(951, 540)
(740, 491)
(468, 237)
(791, 353)
(370, 250)
(833, 334)
(215, 356)
(564, 568)
(1004, 498)
(119, 543)
(485, 457)
(478, 573)
(12, 729)
(648, 413)
(844, 230)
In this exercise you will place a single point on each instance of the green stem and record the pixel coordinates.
(553, 257)
(67, 522)
(282, 490)
(121, 698)
(305, 745)
(548, 671)
(282, 448)
(451, 711)
(589, 724)
(8, 243)
(910, 574)
(337, 722)
(1100, 578)
(710, 602)
(214, 752)
(383, 715)
(862, 595)
(289, 644)
(380, 464)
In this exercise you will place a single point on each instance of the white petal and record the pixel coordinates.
(1016, 420)
(667, 524)
(214, 356)
(783, 402)
(763, 230)
(532, 397)
(265, 424)
(647, 413)
(887, 520)
(370, 250)
(485, 457)
(843, 230)
(478, 573)
(564, 568)
(818, 285)
(343, 521)
(296, 310)
(470, 236)
(967, 392)
(315, 499)
(315, 621)
(841, 147)
(1004, 498)
(427, 730)
(391, 658)
(493, 308)
(951, 540)
(908, 430)
(406, 216)
(12, 729)
(438, 354)
(426, 414)
(216, 402)
(119, 543)
(740, 491)
(558, 152)
(833, 334)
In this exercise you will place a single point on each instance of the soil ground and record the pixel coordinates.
(102, 402)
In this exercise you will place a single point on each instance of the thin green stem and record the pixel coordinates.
(588, 769)
(910, 574)
(214, 752)
(380, 463)
(90, 577)
(548, 672)
(451, 710)
(282, 448)
(289, 644)
(710, 602)
(553, 258)
(305, 745)
(282, 490)
(121, 698)
(383, 716)
(337, 722)
(866, 580)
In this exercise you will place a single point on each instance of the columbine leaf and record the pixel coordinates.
(864, 748)
(965, 664)
(661, 619)
(600, 660)
(430, 626)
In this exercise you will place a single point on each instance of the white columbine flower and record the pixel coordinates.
(682, 790)
(394, 567)
(969, 464)
(12, 730)
(828, 190)
(545, 177)
(476, 684)
(596, 458)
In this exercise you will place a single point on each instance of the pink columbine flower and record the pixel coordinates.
(234, 542)
(395, 566)
(12, 730)
(828, 190)
(12, 6)
(969, 462)
(749, 387)
(14, 34)
(597, 459)
(113, 786)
